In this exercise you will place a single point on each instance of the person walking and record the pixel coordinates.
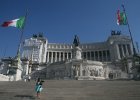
(38, 87)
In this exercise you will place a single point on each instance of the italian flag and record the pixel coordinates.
(19, 23)
(121, 18)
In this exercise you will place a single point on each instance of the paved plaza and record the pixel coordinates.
(72, 90)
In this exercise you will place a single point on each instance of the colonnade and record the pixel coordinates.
(54, 56)
(103, 55)
(124, 50)
(58, 56)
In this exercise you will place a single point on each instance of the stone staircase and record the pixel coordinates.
(71, 90)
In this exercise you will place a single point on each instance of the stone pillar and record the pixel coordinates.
(63, 56)
(127, 54)
(48, 57)
(81, 70)
(71, 55)
(18, 69)
(90, 55)
(118, 52)
(51, 57)
(30, 69)
(106, 55)
(27, 68)
(98, 55)
(67, 56)
(94, 55)
(131, 49)
(55, 56)
(102, 56)
(59, 56)
(122, 51)
(77, 71)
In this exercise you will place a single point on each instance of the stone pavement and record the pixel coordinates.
(72, 90)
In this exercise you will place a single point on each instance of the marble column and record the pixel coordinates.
(98, 56)
(81, 70)
(71, 55)
(77, 71)
(94, 55)
(131, 49)
(106, 55)
(52, 57)
(67, 56)
(63, 56)
(55, 56)
(102, 58)
(48, 57)
(90, 55)
(30, 69)
(127, 54)
(59, 56)
(27, 68)
(118, 52)
(122, 51)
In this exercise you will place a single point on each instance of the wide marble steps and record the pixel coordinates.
(72, 90)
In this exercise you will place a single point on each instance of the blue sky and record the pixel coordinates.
(60, 20)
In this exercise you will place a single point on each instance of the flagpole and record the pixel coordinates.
(21, 36)
(134, 50)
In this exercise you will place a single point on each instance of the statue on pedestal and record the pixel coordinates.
(76, 50)
(76, 41)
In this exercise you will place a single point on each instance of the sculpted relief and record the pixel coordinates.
(93, 71)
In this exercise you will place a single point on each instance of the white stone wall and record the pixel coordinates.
(35, 49)
(107, 51)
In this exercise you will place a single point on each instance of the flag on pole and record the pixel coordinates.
(121, 18)
(19, 23)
